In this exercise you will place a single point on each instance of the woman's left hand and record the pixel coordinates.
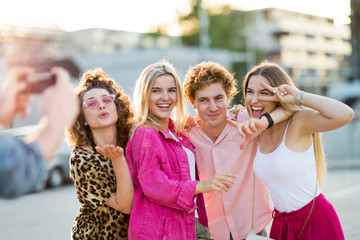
(284, 93)
(115, 153)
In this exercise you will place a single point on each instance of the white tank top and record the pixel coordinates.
(290, 176)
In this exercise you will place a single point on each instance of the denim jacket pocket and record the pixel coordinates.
(165, 232)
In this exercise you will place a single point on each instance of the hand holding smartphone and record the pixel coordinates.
(38, 82)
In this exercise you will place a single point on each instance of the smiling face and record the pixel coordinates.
(102, 115)
(255, 90)
(211, 105)
(163, 99)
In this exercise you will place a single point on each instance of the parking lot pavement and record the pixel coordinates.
(342, 189)
(50, 214)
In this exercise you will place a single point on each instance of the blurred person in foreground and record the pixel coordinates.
(23, 162)
(97, 164)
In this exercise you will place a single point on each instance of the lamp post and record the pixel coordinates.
(203, 31)
(355, 38)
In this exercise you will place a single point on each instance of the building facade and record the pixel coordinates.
(312, 49)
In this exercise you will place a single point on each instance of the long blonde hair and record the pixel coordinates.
(142, 91)
(277, 76)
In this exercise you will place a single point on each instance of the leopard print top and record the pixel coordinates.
(95, 182)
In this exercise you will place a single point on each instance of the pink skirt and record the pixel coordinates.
(323, 223)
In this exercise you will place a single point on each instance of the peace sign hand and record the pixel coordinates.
(284, 93)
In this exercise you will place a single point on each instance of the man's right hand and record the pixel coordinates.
(59, 102)
(60, 108)
(13, 96)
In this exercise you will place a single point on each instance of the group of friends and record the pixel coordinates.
(144, 169)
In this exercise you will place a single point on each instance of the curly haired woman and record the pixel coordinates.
(98, 167)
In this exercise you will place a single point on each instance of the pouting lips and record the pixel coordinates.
(103, 114)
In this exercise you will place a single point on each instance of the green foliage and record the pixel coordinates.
(189, 24)
(225, 28)
(190, 40)
(226, 31)
(239, 68)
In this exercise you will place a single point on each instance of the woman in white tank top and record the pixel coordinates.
(289, 158)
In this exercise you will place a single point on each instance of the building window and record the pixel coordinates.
(310, 36)
(329, 39)
(311, 54)
(312, 72)
(330, 55)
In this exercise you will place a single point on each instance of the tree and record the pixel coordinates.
(355, 38)
(226, 30)
(189, 24)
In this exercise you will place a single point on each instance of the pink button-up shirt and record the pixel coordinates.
(231, 211)
(164, 192)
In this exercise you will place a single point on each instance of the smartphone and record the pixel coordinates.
(38, 82)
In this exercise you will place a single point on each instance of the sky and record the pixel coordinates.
(141, 15)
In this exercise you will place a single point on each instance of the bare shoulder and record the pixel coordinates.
(301, 122)
(304, 114)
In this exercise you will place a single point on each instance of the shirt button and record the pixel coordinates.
(180, 138)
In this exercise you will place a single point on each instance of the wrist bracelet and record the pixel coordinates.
(298, 97)
(269, 118)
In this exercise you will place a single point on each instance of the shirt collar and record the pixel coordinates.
(165, 133)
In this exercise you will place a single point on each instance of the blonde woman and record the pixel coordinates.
(168, 203)
(289, 157)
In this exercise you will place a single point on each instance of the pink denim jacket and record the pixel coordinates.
(164, 192)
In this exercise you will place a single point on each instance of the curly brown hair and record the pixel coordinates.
(79, 134)
(206, 73)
